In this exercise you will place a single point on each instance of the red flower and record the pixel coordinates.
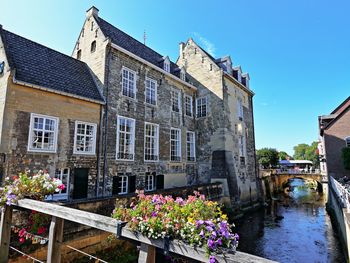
(21, 240)
(41, 230)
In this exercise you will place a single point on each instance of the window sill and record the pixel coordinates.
(85, 154)
(151, 105)
(40, 151)
(124, 160)
(129, 98)
(151, 161)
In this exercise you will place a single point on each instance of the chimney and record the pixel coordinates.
(181, 48)
(92, 11)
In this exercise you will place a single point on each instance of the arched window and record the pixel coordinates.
(347, 141)
(79, 54)
(93, 46)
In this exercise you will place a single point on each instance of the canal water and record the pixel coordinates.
(294, 228)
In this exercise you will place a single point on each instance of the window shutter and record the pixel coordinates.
(115, 185)
(160, 181)
(132, 184)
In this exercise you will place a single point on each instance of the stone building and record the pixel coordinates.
(50, 112)
(169, 124)
(225, 135)
(334, 131)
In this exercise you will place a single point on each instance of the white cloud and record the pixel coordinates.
(208, 46)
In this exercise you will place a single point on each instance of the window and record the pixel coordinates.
(123, 184)
(79, 54)
(150, 182)
(188, 106)
(183, 75)
(166, 65)
(240, 108)
(63, 175)
(129, 83)
(202, 107)
(175, 145)
(175, 100)
(93, 46)
(151, 91)
(191, 146)
(85, 138)
(125, 138)
(347, 141)
(151, 142)
(242, 149)
(92, 25)
(239, 76)
(43, 133)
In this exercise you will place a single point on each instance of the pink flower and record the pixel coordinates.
(61, 187)
(21, 240)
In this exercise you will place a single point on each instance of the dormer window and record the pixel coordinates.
(79, 54)
(166, 66)
(239, 76)
(93, 46)
(183, 74)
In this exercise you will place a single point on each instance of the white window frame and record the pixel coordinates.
(150, 182)
(132, 139)
(129, 71)
(124, 179)
(59, 195)
(183, 75)
(172, 97)
(178, 148)
(190, 104)
(30, 147)
(347, 141)
(191, 147)
(149, 88)
(240, 108)
(166, 65)
(242, 145)
(156, 148)
(93, 151)
(201, 105)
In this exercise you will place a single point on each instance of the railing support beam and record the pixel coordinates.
(147, 254)
(5, 233)
(55, 240)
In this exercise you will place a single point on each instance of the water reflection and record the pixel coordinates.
(294, 228)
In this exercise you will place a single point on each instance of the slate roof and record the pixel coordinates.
(39, 65)
(134, 46)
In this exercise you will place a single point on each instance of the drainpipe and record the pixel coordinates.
(99, 153)
(105, 168)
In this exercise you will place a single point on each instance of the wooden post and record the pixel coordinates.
(55, 240)
(147, 254)
(5, 233)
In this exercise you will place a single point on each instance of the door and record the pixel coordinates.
(80, 183)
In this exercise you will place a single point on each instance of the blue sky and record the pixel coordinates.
(296, 52)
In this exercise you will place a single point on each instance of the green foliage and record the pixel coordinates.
(267, 157)
(283, 155)
(345, 154)
(304, 151)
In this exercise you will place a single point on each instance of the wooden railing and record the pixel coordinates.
(108, 224)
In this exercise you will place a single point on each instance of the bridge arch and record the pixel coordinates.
(281, 180)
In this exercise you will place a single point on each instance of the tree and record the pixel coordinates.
(283, 155)
(304, 151)
(267, 157)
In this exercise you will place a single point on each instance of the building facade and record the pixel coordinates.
(170, 124)
(118, 116)
(334, 135)
(50, 114)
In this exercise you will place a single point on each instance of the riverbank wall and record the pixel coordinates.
(338, 206)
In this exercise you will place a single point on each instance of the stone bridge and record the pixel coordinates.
(278, 179)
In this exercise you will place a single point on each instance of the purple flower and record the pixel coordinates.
(211, 244)
(209, 228)
(212, 259)
(201, 234)
(154, 214)
(213, 234)
(199, 223)
(219, 242)
(209, 223)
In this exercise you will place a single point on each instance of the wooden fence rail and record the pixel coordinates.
(148, 246)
